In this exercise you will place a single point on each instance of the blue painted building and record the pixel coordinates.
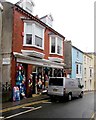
(77, 63)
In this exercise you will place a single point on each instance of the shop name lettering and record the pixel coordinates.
(46, 64)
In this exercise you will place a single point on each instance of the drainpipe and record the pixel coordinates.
(1, 10)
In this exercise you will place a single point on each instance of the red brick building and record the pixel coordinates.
(36, 50)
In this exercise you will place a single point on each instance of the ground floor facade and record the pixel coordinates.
(88, 84)
(31, 74)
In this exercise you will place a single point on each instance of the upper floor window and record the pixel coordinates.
(28, 32)
(33, 35)
(53, 45)
(38, 36)
(59, 46)
(90, 72)
(85, 71)
(80, 69)
(56, 46)
(28, 38)
(29, 7)
(77, 54)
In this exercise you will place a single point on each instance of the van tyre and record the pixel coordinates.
(81, 95)
(52, 98)
(69, 97)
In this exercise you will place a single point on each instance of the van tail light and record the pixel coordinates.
(64, 90)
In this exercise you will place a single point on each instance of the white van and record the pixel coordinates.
(62, 87)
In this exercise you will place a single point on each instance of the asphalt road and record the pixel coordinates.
(77, 108)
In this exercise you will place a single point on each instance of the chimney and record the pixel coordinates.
(37, 16)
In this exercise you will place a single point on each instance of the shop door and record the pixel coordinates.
(34, 83)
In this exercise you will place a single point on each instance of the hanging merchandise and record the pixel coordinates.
(20, 79)
(46, 81)
(30, 85)
(43, 83)
(36, 83)
(39, 85)
(16, 93)
(22, 89)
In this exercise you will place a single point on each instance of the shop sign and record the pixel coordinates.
(6, 61)
(46, 64)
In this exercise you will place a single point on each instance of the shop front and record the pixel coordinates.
(32, 74)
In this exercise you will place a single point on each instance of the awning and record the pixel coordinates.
(37, 61)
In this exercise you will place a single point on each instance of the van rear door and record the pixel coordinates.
(55, 86)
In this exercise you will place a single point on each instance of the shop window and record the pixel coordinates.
(34, 69)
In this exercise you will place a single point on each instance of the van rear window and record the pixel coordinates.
(56, 81)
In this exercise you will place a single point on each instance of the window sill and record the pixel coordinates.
(56, 54)
(26, 45)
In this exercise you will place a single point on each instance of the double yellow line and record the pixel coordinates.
(20, 106)
(93, 117)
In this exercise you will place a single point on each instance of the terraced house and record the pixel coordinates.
(88, 71)
(32, 49)
(80, 65)
(73, 61)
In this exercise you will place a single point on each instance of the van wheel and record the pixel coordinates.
(81, 95)
(52, 98)
(70, 97)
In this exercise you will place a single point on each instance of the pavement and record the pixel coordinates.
(36, 98)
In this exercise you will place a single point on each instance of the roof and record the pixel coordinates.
(87, 54)
(49, 15)
(78, 49)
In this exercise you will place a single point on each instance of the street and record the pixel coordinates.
(77, 108)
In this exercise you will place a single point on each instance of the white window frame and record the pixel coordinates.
(33, 34)
(77, 69)
(56, 38)
(24, 41)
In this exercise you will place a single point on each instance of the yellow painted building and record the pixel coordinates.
(88, 71)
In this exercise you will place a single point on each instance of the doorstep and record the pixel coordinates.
(35, 95)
